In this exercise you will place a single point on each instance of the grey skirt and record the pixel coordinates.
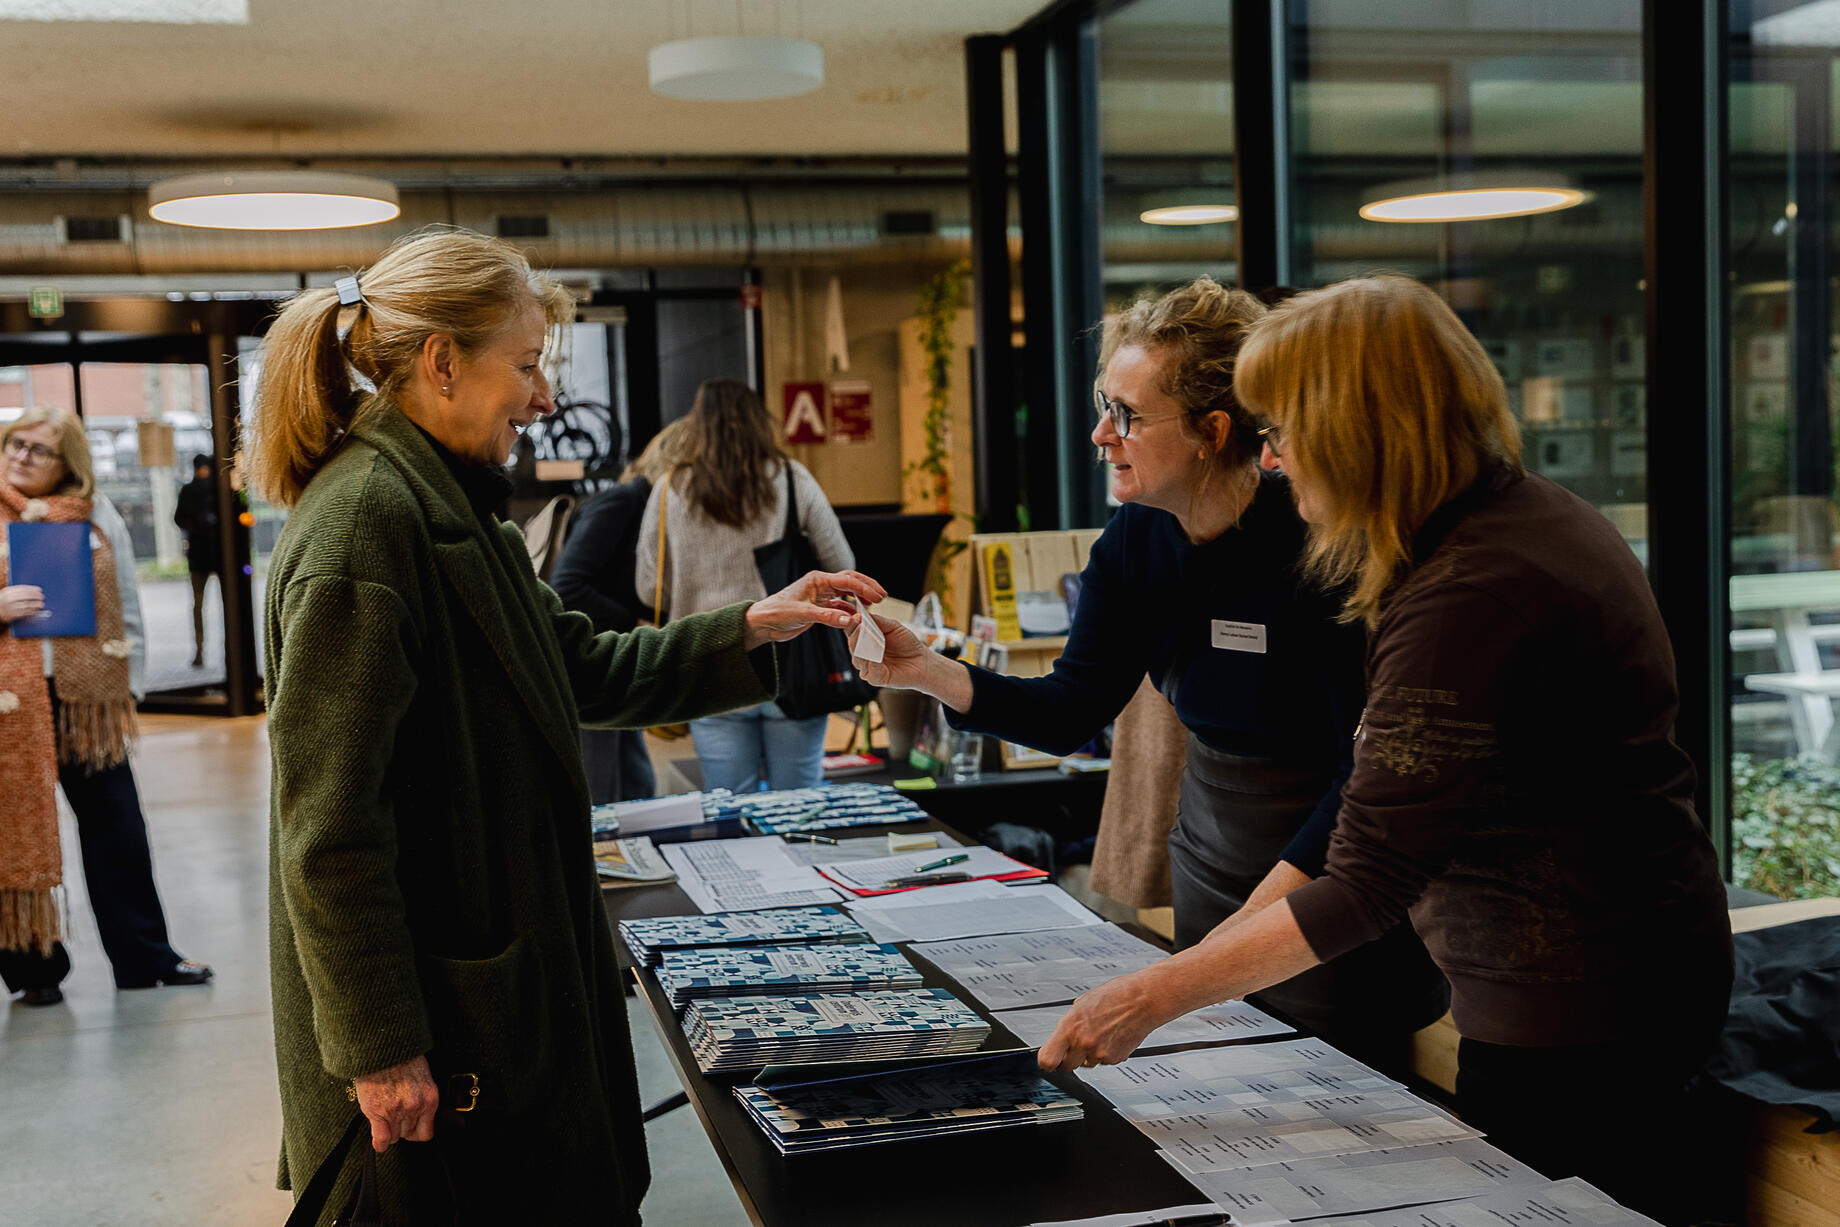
(1236, 817)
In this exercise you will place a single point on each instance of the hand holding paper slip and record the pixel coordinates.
(871, 643)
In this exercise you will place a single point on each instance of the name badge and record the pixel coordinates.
(1240, 636)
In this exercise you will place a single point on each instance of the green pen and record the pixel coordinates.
(959, 859)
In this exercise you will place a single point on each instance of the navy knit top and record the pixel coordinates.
(1249, 654)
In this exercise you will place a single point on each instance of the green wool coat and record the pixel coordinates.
(432, 887)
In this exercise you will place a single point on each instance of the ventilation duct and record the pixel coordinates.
(636, 226)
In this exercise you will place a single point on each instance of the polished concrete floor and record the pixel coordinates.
(158, 1108)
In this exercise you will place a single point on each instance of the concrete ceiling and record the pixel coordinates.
(448, 78)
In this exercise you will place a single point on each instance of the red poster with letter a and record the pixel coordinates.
(804, 417)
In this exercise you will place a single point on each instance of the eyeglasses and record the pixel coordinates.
(32, 453)
(1273, 440)
(1124, 418)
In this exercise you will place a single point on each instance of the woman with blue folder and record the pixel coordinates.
(66, 717)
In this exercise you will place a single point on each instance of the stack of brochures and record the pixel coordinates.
(815, 1116)
(812, 809)
(650, 937)
(751, 971)
(749, 1032)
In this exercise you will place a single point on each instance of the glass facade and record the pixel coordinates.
(1385, 103)
(1785, 573)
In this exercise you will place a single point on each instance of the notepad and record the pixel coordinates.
(56, 559)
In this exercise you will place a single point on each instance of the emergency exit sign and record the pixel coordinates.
(45, 302)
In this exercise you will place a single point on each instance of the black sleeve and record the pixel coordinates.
(1096, 675)
(587, 573)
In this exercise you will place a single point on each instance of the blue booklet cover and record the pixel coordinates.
(57, 559)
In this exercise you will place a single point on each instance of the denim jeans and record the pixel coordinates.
(739, 748)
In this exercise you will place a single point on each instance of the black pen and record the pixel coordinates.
(925, 879)
(1198, 1220)
(801, 837)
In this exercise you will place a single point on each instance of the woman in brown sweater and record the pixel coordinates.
(1517, 794)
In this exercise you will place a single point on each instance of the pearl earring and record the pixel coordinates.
(443, 389)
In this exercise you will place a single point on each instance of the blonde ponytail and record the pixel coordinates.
(305, 403)
(444, 281)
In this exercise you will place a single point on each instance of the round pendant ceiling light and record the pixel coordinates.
(736, 69)
(1190, 215)
(273, 200)
(1473, 197)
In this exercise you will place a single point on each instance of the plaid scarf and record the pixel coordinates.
(95, 725)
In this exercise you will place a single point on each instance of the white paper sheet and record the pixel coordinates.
(876, 872)
(656, 813)
(1306, 1129)
(742, 875)
(1201, 1080)
(1560, 1203)
(1371, 1180)
(974, 909)
(1230, 1020)
(1029, 969)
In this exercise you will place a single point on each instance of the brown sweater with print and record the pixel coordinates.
(1517, 791)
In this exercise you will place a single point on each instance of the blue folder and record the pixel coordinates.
(57, 559)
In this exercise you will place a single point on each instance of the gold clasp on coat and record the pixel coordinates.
(455, 1086)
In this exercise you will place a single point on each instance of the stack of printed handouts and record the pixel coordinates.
(752, 971)
(650, 937)
(934, 1102)
(748, 1032)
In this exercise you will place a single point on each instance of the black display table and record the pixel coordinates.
(1006, 1178)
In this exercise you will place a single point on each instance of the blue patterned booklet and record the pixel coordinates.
(688, 975)
(728, 1033)
(827, 807)
(938, 1101)
(650, 937)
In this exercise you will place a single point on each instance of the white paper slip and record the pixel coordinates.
(1141, 1218)
(1306, 1129)
(1230, 1020)
(871, 644)
(657, 813)
(1170, 1084)
(877, 872)
(932, 915)
(1558, 1203)
(1356, 1183)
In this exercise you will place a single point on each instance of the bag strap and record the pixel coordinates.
(312, 1201)
(664, 506)
(792, 507)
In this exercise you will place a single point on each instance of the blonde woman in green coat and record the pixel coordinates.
(435, 920)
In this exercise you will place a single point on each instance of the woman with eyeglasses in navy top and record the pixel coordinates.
(1195, 583)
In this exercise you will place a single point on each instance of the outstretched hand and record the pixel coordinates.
(1103, 1027)
(817, 599)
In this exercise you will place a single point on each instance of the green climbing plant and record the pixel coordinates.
(938, 311)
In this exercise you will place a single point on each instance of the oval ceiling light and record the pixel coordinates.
(735, 68)
(1190, 215)
(273, 200)
(1473, 198)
